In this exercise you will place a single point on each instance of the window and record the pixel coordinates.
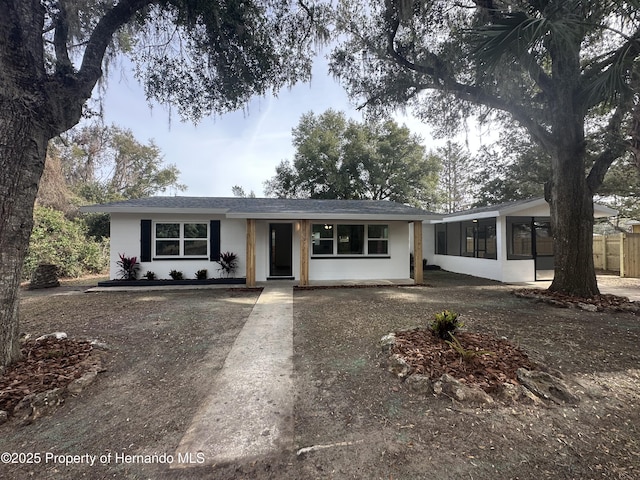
(468, 240)
(378, 239)
(485, 232)
(361, 240)
(454, 232)
(519, 245)
(441, 239)
(544, 238)
(181, 239)
(350, 239)
(322, 239)
(475, 238)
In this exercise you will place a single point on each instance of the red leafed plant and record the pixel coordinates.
(129, 267)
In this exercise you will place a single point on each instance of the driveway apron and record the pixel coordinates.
(249, 412)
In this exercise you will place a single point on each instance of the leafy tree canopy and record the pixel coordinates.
(103, 164)
(345, 159)
(515, 168)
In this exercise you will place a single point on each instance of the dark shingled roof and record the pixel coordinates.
(262, 206)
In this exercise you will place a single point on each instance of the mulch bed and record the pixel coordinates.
(429, 355)
(46, 364)
(600, 303)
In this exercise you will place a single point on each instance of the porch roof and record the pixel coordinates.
(513, 208)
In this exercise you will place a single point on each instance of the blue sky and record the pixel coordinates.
(239, 148)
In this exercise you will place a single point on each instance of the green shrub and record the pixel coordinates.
(176, 275)
(63, 242)
(201, 274)
(149, 275)
(445, 324)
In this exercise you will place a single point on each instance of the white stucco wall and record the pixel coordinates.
(367, 268)
(125, 239)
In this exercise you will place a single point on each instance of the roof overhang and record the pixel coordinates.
(599, 211)
(602, 211)
(290, 215)
(331, 216)
(157, 210)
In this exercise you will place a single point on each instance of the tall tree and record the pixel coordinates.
(107, 163)
(239, 192)
(558, 68)
(455, 175)
(513, 168)
(203, 56)
(345, 159)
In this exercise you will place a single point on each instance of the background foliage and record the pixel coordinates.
(90, 164)
(64, 242)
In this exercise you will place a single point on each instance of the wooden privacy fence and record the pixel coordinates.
(608, 250)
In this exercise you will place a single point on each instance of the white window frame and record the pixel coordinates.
(334, 228)
(181, 240)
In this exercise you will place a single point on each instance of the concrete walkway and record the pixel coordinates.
(249, 412)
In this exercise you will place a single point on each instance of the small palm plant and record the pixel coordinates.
(228, 263)
(445, 324)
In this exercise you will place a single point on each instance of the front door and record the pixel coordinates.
(280, 249)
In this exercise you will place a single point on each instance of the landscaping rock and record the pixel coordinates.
(398, 366)
(587, 307)
(420, 384)
(462, 393)
(56, 335)
(546, 386)
(35, 406)
(99, 345)
(510, 393)
(387, 342)
(79, 384)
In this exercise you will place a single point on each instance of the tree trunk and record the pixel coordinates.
(23, 146)
(571, 200)
(23, 140)
(572, 225)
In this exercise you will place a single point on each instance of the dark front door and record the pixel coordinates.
(280, 249)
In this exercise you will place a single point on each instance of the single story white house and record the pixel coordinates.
(322, 240)
(511, 242)
(300, 239)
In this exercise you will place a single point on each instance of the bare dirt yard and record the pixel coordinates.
(364, 422)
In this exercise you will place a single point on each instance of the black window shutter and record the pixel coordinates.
(214, 240)
(145, 240)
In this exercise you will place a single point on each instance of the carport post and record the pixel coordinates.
(418, 274)
(251, 252)
(304, 252)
